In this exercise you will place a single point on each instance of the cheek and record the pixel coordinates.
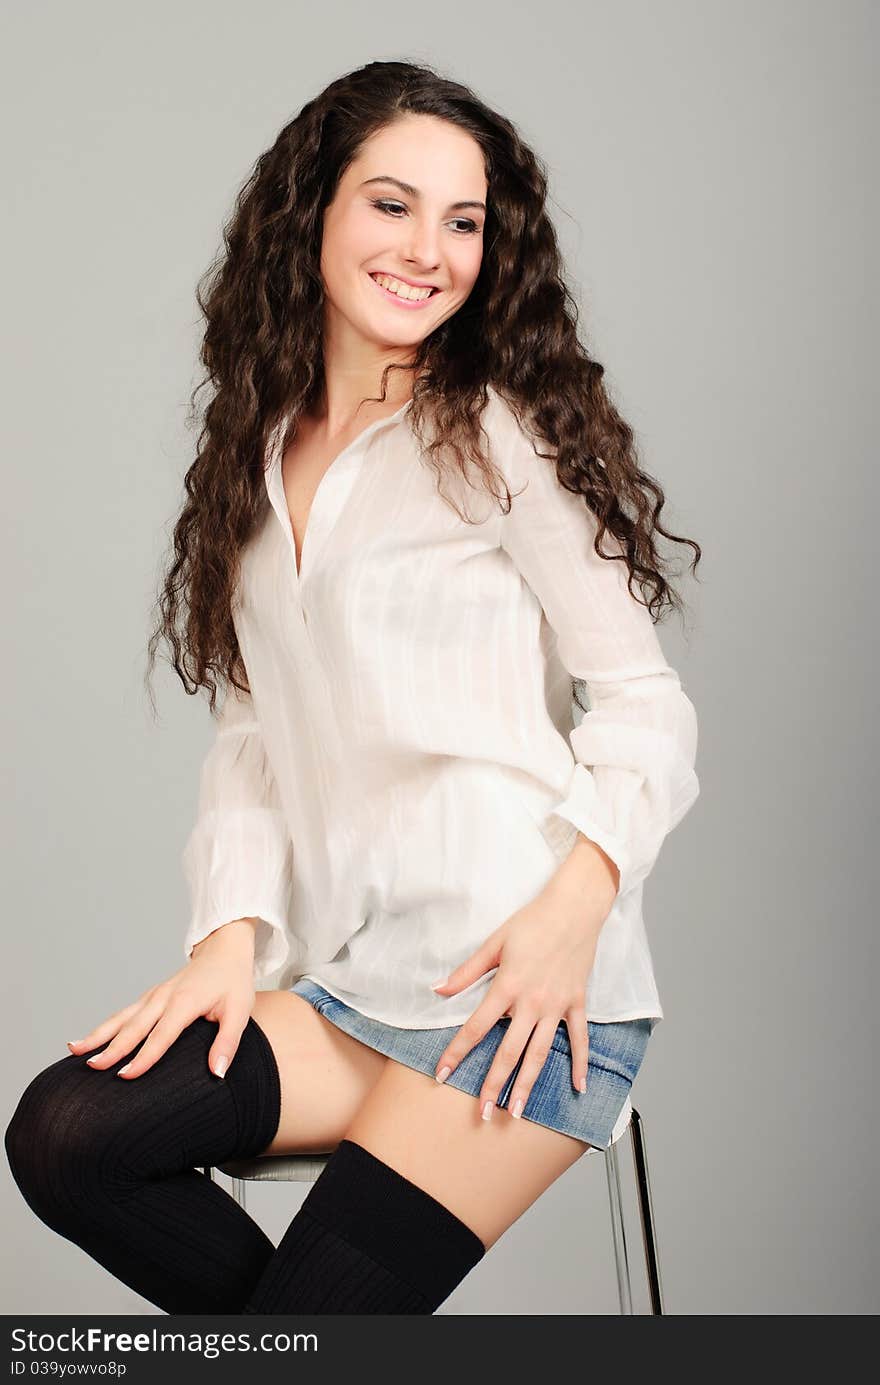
(467, 266)
(363, 236)
(349, 243)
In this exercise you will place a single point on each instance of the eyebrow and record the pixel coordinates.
(414, 192)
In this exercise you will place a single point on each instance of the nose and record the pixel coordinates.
(422, 248)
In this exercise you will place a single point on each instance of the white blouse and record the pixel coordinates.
(408, 770)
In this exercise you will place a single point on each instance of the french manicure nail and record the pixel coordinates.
(435, 985)
(73, 1043)
(487, 1110)
(443, 1074)
(92, 1060)
(126, 1068)
(517, 1109)
(220, 1066)
(583, 1084)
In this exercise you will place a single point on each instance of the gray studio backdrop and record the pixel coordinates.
(709, 176)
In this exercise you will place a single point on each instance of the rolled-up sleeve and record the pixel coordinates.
(635, 749)
(238, 859)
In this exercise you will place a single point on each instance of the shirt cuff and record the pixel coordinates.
(238, 865)
(271, 947)
(583, 808)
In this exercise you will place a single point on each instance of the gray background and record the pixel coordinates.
(710, 177)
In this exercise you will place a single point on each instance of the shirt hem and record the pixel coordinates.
(444, 1023)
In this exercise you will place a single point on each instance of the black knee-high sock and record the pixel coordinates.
(366, 1240)
(112, 1164)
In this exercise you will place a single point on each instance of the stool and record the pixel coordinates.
(306, 1168)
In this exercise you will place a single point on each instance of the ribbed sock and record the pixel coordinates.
(366, 1240)
(113, 1165)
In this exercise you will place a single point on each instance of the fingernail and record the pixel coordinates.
(583, 1084)
(93, 1060)
(126, 1068)
(72, 1043)
(443, 1074)
(220, 1066)
(435, 985)
(487, 1110)
(517, 1109)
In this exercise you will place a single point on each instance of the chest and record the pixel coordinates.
(397, 590)
(304, 463)
(371, 535)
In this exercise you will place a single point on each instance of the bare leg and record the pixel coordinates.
(325, 1074)
(487, 1172)
(417, 1191)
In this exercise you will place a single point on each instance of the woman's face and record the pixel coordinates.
(424, 228)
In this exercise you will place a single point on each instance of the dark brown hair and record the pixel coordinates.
(262, 351)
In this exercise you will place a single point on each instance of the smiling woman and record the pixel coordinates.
(425, 254)
(398, 818)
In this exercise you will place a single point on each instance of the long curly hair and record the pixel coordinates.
(262, 351)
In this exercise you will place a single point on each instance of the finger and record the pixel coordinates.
(506, 1058)
(472, 968)
(579, 1037)
(533, 1062)
(174, 1019)
(129, 1036)
(475, 1028)
(225, 1045)
(105, 1030)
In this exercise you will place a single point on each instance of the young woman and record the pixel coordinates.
(414, 519)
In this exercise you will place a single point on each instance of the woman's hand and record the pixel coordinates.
(544, 954)
(216, 982)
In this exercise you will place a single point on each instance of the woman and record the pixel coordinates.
(391, 800)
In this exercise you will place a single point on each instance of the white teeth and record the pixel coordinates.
(402, 290)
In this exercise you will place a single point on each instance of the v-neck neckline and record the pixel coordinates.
(333, 479)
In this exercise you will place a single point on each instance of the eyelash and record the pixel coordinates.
(383, 203)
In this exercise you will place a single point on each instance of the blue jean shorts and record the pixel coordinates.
(615, 1055)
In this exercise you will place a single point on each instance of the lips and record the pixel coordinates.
(401, 280)
(432, 287)
(409, 304)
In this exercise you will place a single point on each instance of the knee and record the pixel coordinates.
(53, 1141)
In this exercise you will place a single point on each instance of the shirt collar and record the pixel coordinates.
(274, 450)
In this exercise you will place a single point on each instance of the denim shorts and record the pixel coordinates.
(615, 1055)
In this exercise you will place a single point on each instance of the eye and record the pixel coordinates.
(390, 208)
(384, 205)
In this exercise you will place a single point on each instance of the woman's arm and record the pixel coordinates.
(238, 858)
(243, 928)
(589, 869)
(635, 749)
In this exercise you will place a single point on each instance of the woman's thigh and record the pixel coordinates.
(486, 1172)
(325, 1074)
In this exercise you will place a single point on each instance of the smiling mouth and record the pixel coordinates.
(418, 295)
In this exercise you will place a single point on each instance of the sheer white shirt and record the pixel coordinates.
(409, 768)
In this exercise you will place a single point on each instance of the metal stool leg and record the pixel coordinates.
(646, 1210)
(237, 1189)
(618, 1230)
